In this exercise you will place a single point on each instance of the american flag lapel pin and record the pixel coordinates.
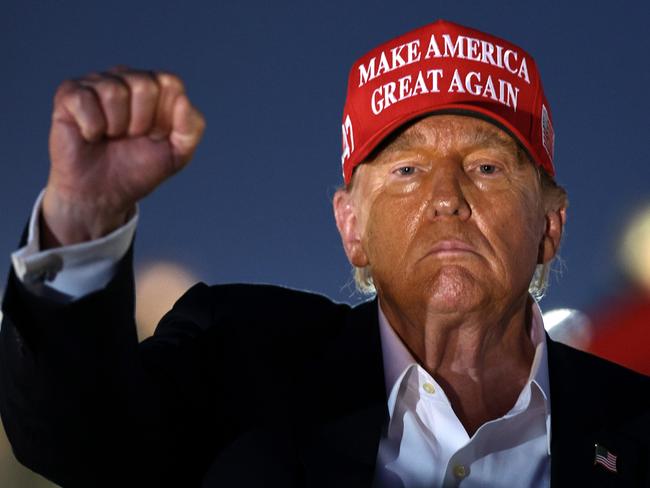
(605, 458)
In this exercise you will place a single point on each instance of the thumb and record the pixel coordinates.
(187, 128)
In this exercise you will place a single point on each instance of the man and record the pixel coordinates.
(446, 378)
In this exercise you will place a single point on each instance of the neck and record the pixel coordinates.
(481, 360)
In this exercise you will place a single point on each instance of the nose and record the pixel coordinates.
(447, 197)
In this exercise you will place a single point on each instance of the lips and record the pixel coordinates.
(452, 246)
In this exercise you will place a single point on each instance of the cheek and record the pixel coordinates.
(523, 231)
(390, 227)
(535, 224)
(515, 230)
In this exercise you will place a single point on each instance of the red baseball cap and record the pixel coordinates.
(445, 68)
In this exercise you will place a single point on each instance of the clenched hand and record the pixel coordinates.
(115, 137)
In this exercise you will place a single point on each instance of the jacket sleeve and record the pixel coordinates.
(84, 404)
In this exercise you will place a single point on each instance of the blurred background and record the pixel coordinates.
(270, 77)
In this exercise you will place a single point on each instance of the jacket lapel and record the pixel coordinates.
(348, 399)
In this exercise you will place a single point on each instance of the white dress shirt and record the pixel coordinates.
(425, 445)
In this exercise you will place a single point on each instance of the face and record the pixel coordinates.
(450, 218)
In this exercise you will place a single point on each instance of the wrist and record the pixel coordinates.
(65, 221)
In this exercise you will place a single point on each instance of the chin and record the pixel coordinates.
(454, 290)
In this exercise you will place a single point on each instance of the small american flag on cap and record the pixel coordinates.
(605, 458)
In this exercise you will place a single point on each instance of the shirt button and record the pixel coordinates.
(460, 471)
(429, 388)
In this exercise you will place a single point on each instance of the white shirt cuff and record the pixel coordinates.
(75, 270)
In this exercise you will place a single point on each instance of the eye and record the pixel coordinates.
(487, 169)
(405, 170)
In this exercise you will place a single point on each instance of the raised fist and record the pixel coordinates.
(115, 136)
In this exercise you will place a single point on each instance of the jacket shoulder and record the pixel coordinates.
(593, 393)
(251, 303)
(252, 318)
(601, 370)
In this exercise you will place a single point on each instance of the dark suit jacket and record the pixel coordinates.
(251, 386)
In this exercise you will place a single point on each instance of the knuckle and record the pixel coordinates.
(143, 86)
(169, 81)
(113, 91)
(65, 88)
(80, 98)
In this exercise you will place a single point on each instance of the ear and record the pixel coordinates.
(555, 221)
(347, 222)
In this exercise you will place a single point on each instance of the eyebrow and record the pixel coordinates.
(484, 136)
(488, 137)
(403, 141)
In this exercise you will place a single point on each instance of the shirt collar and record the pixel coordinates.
(397, 359)
(539, 368)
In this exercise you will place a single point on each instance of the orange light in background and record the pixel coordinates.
(635, 248)
(621, 331)
(158, 285)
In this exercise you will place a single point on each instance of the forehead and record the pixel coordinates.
(448, 132)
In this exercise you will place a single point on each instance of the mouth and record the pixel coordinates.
(451, 247)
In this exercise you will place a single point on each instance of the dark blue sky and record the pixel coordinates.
(270, 78)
